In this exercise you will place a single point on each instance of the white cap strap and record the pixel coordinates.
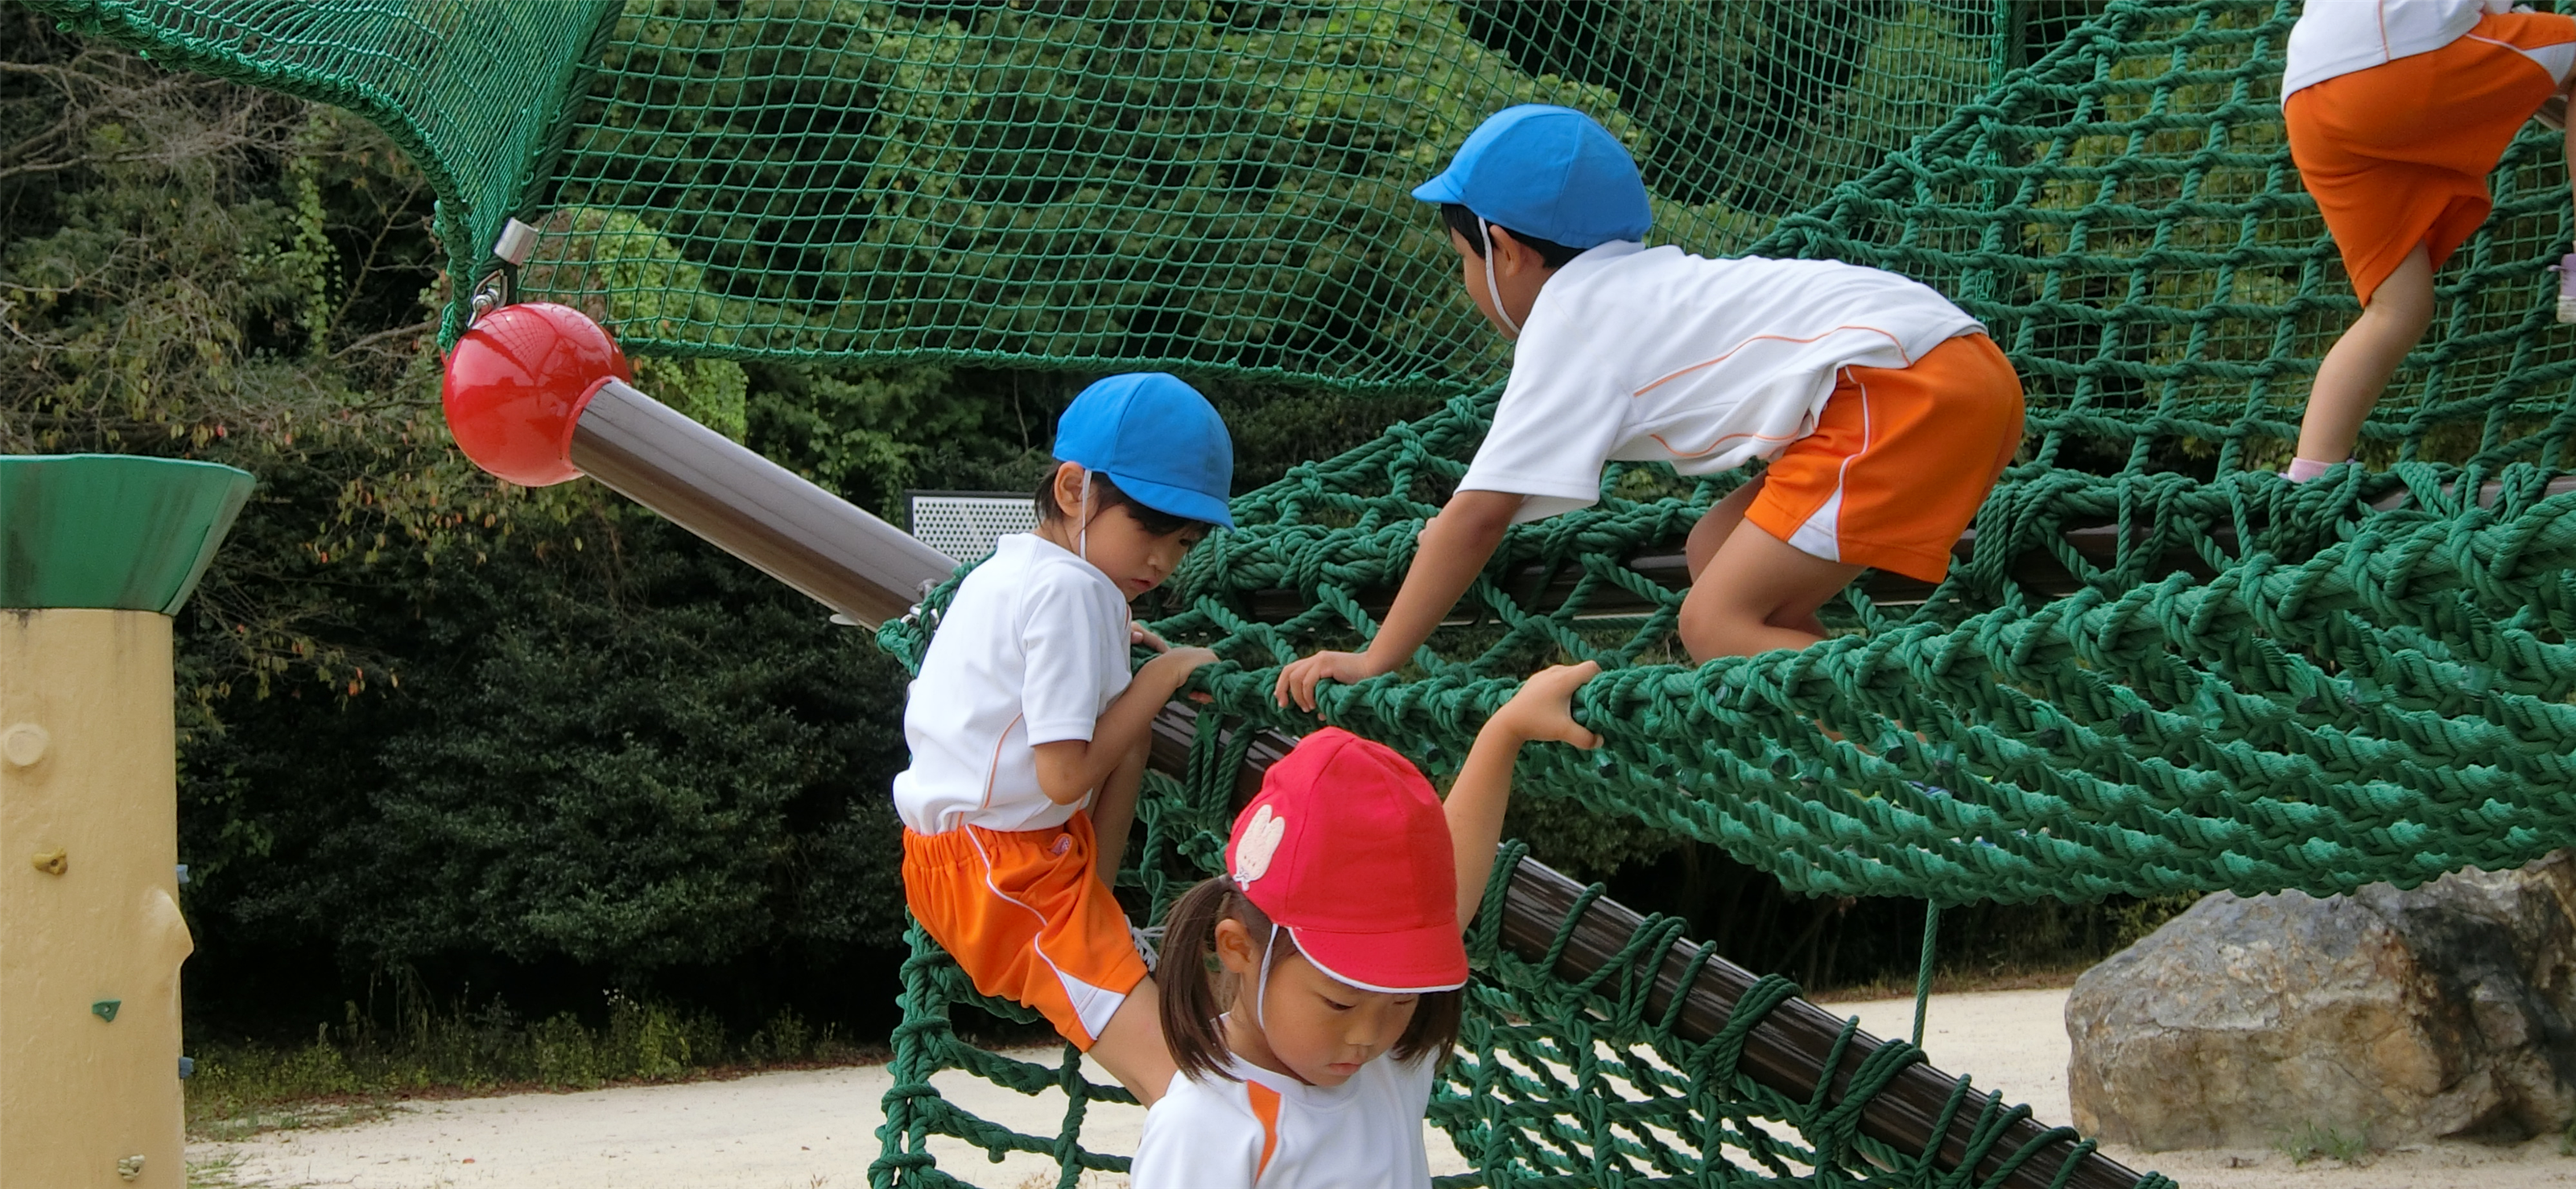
(1496, 295)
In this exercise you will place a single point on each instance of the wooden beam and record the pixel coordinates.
(1785, 1052)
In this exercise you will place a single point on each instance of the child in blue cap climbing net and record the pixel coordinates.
(1884, 411)
(1029, 736)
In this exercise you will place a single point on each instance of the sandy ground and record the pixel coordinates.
(816, 1130)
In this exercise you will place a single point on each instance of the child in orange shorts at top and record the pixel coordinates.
(1886, 412)
(1029, 736)
(2397, 112)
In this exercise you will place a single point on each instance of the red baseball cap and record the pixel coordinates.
(1347, 848)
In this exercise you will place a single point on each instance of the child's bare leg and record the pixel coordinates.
(1131, 1048)
(1759, 593)
(2355, 371)
(1717, 524)
(1113, 810)
(2568, 92)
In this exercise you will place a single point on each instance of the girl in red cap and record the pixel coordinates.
(1335, 953)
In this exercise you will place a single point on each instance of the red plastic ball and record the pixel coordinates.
(518, 381)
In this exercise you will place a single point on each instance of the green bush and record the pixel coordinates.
(615, 746)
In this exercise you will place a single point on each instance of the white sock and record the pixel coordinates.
(2303, 469)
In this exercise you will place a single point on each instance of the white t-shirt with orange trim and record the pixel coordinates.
(1032, 649)
(1644, 354)
(2337, 37)
(1271, 1131)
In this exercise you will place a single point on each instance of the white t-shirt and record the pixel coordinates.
(1032, 650)
(2337, 37)
(1655, 355)
(1363, 1134)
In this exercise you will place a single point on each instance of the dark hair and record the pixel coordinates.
(1472, 229)
(1190, 979)
(1106, 495)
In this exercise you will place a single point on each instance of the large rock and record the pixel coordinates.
(2445, 1011)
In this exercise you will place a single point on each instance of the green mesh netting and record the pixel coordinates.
(2221, 681)
(1182, 184)
(1106, 184)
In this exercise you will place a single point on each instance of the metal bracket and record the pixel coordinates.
(500, 286)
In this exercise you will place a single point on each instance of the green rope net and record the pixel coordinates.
(1555, 1085)
(2160, 668)
(2228, 682)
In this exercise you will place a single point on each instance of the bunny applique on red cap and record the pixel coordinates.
(1347, 849)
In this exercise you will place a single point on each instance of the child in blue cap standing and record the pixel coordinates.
(1029, 736)
(1885, 412)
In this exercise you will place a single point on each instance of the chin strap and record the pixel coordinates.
(1082, 534)
(1487, 230)
(1261, 986)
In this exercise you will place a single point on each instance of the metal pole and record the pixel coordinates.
(750, 507)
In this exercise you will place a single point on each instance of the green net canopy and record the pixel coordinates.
(463, 87)
(1193, 185)
(1111, 184)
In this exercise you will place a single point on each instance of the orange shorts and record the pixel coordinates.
(2398, 154)
(1900, 461)
(1027, 919)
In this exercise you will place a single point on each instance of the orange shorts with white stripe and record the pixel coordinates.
(1027, 919)
(2398, 154)
(1900, 461)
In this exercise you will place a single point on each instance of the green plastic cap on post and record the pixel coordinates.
(111, 531)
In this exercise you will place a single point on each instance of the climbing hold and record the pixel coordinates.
(130, 1168)
(105, 1009)
(52, 862)
(24, 744)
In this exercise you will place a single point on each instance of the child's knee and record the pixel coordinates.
(1712, 626)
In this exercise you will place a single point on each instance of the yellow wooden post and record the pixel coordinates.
(96, 552)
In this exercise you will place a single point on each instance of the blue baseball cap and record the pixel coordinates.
(1157, 439)
(1550, 172)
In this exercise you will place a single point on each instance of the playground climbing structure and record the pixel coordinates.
(2158, 667)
